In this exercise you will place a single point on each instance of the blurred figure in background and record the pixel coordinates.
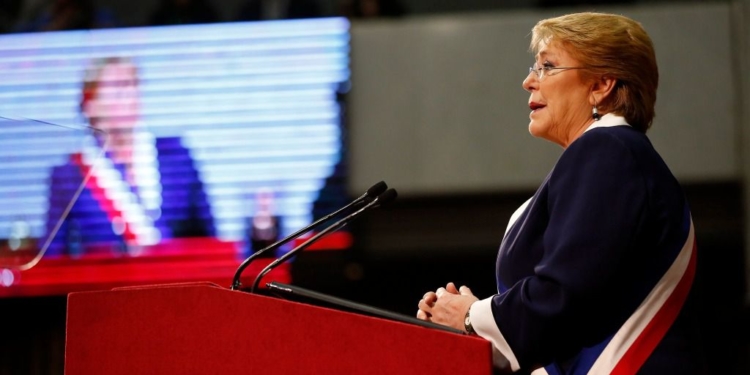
(568, 3)
(264, 227)
(9, 11)
(60, 15)
(183, 12)
(371, 8)
(259, 10)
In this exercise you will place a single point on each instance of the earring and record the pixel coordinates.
(595, 114)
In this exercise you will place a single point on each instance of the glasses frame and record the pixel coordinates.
(543, 71)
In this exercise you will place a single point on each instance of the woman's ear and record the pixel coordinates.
(601, 89)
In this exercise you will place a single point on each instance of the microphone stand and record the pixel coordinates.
(374, 190)
(388, 196)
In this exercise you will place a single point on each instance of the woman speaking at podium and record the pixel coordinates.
(595, 272)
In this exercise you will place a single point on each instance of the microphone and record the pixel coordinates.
(383, 199)
(372, 192)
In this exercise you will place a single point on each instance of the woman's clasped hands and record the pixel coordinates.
(447, 306)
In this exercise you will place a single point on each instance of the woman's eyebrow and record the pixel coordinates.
(544, 54)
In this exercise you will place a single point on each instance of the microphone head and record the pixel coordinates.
(387, 197)
(376, 189)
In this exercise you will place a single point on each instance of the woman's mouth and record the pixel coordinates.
(534, 106)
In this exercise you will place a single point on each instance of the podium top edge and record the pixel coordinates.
(174, 285)
(152, 286)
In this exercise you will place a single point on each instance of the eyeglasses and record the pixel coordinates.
(546, 69)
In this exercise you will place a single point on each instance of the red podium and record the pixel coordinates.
(205, 329)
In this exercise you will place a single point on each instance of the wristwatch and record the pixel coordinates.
(467, 323)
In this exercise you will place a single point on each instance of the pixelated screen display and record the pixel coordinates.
(169, 140)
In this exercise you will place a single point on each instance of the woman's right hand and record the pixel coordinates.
(428, 302)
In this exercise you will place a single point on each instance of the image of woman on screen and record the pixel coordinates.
(144, 190)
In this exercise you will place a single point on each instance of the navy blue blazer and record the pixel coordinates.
(596, 274)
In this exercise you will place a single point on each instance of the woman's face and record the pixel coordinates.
(560, 101)
(116, 101)
(115, 107)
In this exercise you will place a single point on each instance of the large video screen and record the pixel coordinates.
(174, 144)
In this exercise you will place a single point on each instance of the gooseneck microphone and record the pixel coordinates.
(387, 197)
(371, 193)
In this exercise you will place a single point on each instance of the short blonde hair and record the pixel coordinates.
(609, 45)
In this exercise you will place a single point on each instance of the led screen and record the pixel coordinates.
(227, 134)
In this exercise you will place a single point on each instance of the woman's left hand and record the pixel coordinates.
(446, 306)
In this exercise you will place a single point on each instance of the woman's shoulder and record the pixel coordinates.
(612, 136)
(616, 150)
(620, 142)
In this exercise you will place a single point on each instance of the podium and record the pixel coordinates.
(201, 328)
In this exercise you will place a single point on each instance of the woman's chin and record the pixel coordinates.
(536, 129)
